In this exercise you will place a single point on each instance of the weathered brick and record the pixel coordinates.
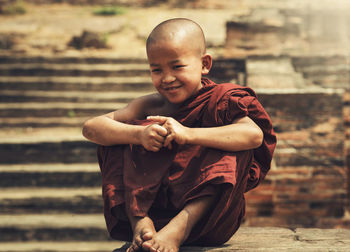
(308, 178)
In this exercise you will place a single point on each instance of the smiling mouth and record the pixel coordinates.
(171, 88)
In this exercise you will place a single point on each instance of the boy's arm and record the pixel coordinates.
(112, 129)
(242, 134)
(106, 131)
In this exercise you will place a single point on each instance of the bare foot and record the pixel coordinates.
(174, 234)
(144, 230)
(162, 242)
(169, 238)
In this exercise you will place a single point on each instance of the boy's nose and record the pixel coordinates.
(168, 78)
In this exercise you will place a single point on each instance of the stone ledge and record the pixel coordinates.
(246, 239)
(282, 239)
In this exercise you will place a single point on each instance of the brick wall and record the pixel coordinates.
(307, 183)
(346, 112)
(297, 59)
(324, 71)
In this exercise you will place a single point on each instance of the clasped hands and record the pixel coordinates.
(162, 133)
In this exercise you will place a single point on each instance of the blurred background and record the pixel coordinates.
(63, 61)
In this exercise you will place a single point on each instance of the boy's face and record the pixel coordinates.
(176, 70)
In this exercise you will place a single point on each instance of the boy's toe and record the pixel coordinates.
(155, 248)
(133, 248)
(147, 235)
(138, 242)
(148, 245)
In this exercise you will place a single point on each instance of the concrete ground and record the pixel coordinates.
(282, 239)
(246, 239)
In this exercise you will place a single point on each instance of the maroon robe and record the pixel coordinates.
(161, 183)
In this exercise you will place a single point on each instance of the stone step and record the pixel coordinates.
(247, 239)
(29, 200)
(40, 122)
(52, 227)
(82, 83)
(45, 145)
(21, 96)
(293, 109)
(56, 175)
(328, 72)
(48, 152)
(12, 59)
(52, 246)
(59, 246)
(47, 69)
(57, 109)
(263, 72)
(40, 135)
(314, 62)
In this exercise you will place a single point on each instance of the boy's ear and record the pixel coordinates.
(207, 62)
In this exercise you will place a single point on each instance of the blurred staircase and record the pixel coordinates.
(50, 197)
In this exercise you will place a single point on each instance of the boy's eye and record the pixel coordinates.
(155, 70)
(179, 66)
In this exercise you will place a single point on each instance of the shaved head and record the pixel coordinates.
(180, 31)
(177, 59)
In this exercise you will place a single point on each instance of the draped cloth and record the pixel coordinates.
(160, 184)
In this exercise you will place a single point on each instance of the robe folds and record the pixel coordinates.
(159, 184)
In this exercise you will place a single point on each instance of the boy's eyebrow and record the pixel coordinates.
(171, 62)
(175, 61)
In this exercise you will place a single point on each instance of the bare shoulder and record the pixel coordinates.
(140, 108)
(155, 104)
(158, 105)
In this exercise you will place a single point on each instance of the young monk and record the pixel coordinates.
(175, 164)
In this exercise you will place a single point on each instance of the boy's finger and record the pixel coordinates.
(157, 144)
(159, 139)
(159, 119)
(153, 148)
(161, 130)
(168, 140)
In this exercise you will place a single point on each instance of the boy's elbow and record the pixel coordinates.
(257, 138)
(87, 130)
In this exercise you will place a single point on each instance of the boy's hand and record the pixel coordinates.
(175, 130)
(153, 137)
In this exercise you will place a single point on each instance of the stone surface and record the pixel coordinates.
(246, 239)
(288, 29)
(306, 186)
(60, 246)
(282, 239)
(272, 72)
(88, 39)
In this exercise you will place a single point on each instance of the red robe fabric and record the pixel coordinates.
(161, 183)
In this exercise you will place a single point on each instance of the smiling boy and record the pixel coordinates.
(175, 164)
